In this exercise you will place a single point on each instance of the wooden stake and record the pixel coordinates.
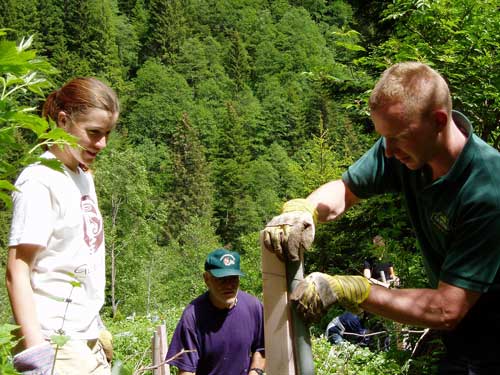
(277, 322)
(160, 348)
(155, 349)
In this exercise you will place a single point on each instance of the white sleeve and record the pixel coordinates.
(33, 217)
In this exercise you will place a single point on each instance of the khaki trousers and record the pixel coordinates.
(82, 357)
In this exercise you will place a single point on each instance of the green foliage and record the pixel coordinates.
(238, 64)
(251, 264)
(284, 106)
(168, 29)
(59, 340)
(91, 40)
(7, 342)
(230, 108)
(130, 234)
(50, 34)
(299, 42)
(348, 358)
(351, 359)
(127, 40)
(318, 160)
(191, 192)
(132, 337)
(182, 277)
(460, 39)
(21, 72)
(159, 97)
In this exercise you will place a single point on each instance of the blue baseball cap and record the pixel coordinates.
(222, 263)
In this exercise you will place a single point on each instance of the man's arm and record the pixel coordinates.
(332, 200)
(19, 264)
(441, 308)
(258, 361)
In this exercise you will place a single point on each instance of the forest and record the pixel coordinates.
(228, 109)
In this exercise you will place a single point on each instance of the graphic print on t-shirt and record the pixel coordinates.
(92, 224)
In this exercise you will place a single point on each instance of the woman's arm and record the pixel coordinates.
(19, 263)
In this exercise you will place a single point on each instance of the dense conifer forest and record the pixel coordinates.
(228, 109)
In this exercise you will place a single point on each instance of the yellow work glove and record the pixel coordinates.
(106, 340)
(318, 292)
(289, 234)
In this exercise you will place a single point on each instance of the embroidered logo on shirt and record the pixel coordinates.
(440, 221)
(92, 224)
(227, 259)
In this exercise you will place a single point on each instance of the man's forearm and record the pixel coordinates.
(332, 200)
(441, 308)
(258, 361)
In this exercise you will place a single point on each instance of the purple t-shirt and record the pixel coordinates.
(224, 340)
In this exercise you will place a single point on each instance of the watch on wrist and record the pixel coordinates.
(257, 370)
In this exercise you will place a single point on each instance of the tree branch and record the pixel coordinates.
(147, 368)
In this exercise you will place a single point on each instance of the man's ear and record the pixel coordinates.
(441, 119)
(205, 277)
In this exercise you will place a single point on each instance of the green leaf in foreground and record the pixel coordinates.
(59, 340)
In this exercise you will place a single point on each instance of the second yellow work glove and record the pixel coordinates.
(106, 340)
(318, 292)
(289, 234)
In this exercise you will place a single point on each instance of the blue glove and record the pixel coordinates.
(37, 360)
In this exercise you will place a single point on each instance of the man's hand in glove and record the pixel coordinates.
(318, 292)
(37, 360)
(292, 232)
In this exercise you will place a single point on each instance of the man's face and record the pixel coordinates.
(222, 290)
(411, 141)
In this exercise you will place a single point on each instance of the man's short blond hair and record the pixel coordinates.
(418, 87)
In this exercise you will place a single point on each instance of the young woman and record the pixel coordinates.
(56, 269)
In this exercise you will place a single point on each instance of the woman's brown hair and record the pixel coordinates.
(78, 96)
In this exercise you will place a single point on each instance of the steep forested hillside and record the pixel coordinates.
(231, 107)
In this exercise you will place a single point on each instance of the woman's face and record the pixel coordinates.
(92, 130)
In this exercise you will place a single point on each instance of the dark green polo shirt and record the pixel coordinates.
(456, 217)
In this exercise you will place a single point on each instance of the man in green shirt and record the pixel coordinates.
(450, 180)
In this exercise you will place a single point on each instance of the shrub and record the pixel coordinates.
(7, 342)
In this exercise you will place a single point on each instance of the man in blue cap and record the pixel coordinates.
(225, 326)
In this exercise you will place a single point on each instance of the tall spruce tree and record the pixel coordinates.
(102, 48)
(238, 61)
(21, 16)
(191, 192)
(7, 14)
(167, 29)
(51, 31)
(231, 162)
(90, 36)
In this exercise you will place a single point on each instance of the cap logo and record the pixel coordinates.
(227, 260)
(440, 221)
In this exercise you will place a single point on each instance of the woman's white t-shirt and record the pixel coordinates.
(58, 211)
